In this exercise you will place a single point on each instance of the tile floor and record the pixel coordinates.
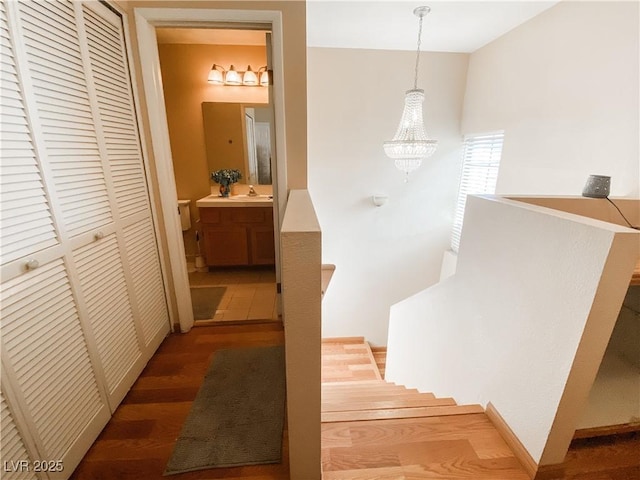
(250, 293)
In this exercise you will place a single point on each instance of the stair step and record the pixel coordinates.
(371, 391)
(353, 388)
(396, 413)
(361, 382)
(342, 340)
(379, 352)
(374, 385)
(348, 358)
(389, 403)
(380, 357)
(326, 383)
(371, 396)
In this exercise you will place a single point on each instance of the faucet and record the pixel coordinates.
(252, 192)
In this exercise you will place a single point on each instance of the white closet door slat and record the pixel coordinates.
(143, 260)
(109, 68)
(105, 291)
(56, 69)
(13, 448)
(19, 171)
(39, 321)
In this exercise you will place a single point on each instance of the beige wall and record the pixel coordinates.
(564, 87)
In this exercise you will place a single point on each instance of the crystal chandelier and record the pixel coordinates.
(411, 145)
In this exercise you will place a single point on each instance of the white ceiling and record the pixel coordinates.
(391, 25)
(386, 25)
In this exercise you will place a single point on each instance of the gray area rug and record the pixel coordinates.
(205, 301)
(237, 417)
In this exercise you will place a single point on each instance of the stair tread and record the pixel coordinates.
(390, 403)
(348, 358)
(396, 413)
(343, 340)
(370, 381)
(366, 391)
(366, 395)
(378, 384)
(367, 381)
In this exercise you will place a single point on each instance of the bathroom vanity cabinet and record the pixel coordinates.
(238, 235)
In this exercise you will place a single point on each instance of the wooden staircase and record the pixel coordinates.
(373, 429)
(353, 388)
(379, 400)
(380, 356)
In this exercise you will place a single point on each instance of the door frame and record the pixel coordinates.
(147, 19)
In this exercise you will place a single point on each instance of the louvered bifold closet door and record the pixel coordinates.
(145, 268)
(100, 274)
(115, 104)
(60, 91)
(26, 223)
(46, 362)
(82, 298)
(71, 153)
(16, 461)
(116, 109)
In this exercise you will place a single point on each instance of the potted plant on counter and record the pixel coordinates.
(226, 177)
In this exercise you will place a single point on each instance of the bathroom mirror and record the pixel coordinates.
(238, 135)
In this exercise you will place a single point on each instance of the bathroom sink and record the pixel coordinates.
(242, 200)
(245, 196)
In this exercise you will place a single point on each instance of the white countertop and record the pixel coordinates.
(235, 201)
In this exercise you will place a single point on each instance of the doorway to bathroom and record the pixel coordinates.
(216, 128)
(242, 295)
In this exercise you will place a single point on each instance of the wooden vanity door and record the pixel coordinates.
(262, 245)
(226, 245)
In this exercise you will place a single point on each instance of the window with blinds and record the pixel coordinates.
(480, 164)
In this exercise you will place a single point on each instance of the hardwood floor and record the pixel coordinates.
(615, 457)
(138, 441)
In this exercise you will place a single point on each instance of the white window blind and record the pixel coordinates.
(480, 164)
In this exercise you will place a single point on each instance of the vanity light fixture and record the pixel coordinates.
(411, 145)
(249, 78)
(264, 76)
(232, 77)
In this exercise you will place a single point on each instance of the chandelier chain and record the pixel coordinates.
(415, 79)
